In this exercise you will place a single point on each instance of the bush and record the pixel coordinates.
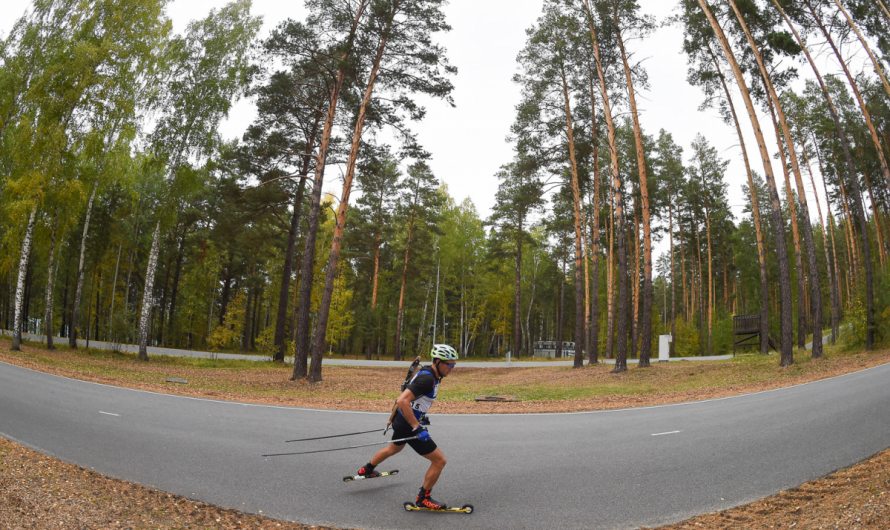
(265, 343)
(853, 334)
(122, 330)
(686, 343)
(229, 334)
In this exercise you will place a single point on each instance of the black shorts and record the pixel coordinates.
(402, 429)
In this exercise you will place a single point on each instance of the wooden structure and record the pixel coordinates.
(746, 329)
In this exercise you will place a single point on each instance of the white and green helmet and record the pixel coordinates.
(443, 352)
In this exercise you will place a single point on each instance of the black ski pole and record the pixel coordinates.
(343, 448)
(332, 436)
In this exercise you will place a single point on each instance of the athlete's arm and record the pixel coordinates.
(404, 404)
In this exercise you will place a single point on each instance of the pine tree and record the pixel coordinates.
(519, 195)
(407, 63)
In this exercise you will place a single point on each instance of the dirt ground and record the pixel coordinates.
(39, 492)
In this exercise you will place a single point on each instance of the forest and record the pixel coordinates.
(126, 217)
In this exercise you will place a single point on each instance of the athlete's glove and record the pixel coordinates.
(421, 433)
(425, 420)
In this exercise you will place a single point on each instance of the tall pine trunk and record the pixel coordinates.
(586, 242)
(795, 235)
(610, 280)
(835, 287)
(646, 331)
(284, 295)
(816, 301)
(618, 206)
(701, 285)
(865, 46)
(340, 224)
(576, 203)
(831, 283)
(857, 199)
(634, 242)
(755, 208)
(560, 299)
(710, 258)
(673, 283)
(517, 310)
(301, 336)
(374, 337)
(594, 325)
(686, 303)
(776, 206)
(398, 354)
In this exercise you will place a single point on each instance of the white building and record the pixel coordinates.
(547, 348)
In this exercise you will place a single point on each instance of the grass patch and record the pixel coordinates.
(374, 388)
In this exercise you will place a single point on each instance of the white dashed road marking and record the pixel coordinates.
(109, 413)
(661, 433)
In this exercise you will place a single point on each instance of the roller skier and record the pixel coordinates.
(410, 420)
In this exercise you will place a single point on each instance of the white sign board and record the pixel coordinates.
(664, 348)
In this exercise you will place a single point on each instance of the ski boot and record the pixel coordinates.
(425, 501)
(368, 471)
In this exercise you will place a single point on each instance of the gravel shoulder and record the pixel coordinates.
(38, 492)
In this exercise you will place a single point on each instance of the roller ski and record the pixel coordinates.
(425, 503)
(365, 473)
(466, 508)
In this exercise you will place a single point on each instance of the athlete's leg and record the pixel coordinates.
(385, 453)
(437, 463)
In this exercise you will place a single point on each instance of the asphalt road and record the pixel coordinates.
(614, 469)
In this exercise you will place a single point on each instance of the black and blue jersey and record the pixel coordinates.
(425, 387)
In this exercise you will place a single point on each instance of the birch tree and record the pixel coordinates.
(210, 67)
(94, 58)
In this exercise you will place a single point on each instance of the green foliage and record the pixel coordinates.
(228, 335)
(854, 334)
(103, 93)
(882, 305)
(853, 330)
(686, 342)
(122, 329)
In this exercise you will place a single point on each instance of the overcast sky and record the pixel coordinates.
(468, 142)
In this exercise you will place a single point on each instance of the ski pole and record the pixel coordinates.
(344, 448)
(332, 436)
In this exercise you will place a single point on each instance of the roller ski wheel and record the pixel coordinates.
(411, 507)
(354, 478)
